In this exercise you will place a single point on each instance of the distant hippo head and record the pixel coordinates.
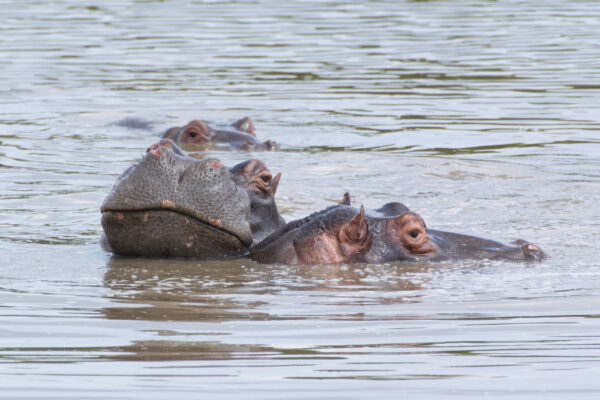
(239, 135)
(171, 205)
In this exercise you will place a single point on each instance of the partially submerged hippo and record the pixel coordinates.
(239, 135)
(343, 234)
(172, 205)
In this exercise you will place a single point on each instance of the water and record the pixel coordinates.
(481, 116)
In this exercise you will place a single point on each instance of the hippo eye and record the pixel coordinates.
(414, 233)
(193, 134)
(265, 178)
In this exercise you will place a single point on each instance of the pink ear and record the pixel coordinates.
(357, 227)
(354, 236)
(245, 125)
(275, 183)
(172, 133)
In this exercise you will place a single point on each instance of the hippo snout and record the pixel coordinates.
(172, 205)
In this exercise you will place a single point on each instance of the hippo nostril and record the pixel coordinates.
(414, 234)
(166, 143)
(154, 149)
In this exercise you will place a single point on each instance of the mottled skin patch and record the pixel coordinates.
(215, 222)
(168, 204)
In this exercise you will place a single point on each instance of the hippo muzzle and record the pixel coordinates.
(171, 205)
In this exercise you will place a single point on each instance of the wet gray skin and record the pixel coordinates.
(392, 232)
(261, 186)
(172, 205)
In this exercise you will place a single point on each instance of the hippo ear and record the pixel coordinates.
(171, 133)
(267, 183)
(271, 145)
(245, 125)
(354, 236)
(275, 183)
(345, 200)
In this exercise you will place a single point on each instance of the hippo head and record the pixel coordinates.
(343, 234)
(261, 186)
(171, 205)
(357, 237)
(396, 236)
(239, 135)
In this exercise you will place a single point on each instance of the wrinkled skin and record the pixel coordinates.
(239, 135)
(261, 186)
(171, 205)
(391, 233)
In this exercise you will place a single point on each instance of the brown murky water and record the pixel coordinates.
(482, 116)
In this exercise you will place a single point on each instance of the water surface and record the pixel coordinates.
(482, 116)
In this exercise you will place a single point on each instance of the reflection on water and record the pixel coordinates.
(172, 290)
(480, 116)
(217, 292)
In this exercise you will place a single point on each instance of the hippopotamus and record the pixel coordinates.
(238, 135)
(343, 234)
(127, 202)
(261, 186)
(171, 205)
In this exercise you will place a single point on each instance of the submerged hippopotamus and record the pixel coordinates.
(172, 205)
(238, 135)
(343, 234)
